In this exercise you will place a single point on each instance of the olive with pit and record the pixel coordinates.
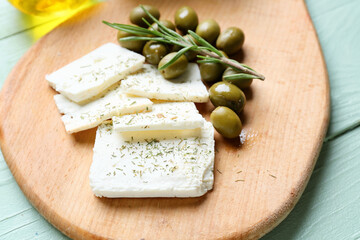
(133, 45)
(137, 14)
(211, 72)
(175, 69)
(208, 30)
(154, 52)
(226, 122)
(186, 19)
(227, 94)
(240, 83)
(231, 40)
(166, 23)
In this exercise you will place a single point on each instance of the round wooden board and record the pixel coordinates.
(257, 183)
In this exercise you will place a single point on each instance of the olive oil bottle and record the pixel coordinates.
(50, 8)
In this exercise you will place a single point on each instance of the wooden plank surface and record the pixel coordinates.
(342, 57)
(318, 212)
(286, 119)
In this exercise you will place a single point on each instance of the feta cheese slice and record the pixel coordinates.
(151, 84)
(163, 116)
(94, 72)
(176, 163)
(81, 117)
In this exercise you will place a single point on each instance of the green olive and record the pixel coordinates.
(190, 55)
(226, 122)
(211, 72)
(166, 23)
(137, 14)
(209, 30)
(231, 40)
(240, 83)
(186, 19)
(227, 94)
(175, 69)
(135, 45)
(154, 52)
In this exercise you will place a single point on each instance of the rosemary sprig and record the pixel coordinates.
(206, 52)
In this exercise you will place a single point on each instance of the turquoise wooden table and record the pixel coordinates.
(330, 205)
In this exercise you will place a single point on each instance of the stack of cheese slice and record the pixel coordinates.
(160, 147)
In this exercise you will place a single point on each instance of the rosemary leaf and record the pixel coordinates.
(193, 42)
(209, 58)
(204, 43)
(129, 28)
(169, 31)
(202, 57)
(132, 38)
(247, 67)
(176, 57)
(240, 76)
(147, 23)
(206, 61)
(161, 26)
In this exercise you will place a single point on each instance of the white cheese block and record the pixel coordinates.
(163, 116)
(65, 105)
(93, 73)
(176, 163)
(151, 84)
(81, 117)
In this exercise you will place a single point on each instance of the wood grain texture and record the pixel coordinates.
(284, 123)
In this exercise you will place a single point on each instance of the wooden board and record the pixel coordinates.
(257, 183)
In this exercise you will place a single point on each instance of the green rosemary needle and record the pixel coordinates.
(206, 52)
